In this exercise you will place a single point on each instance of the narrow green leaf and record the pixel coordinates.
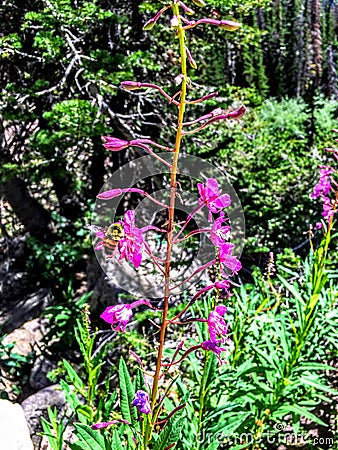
(312, 367)
(86, 412)
(213, 446)
(93, 439)
(117, 444)
(287, 409)
(77, 446)
(231, 424)
(171, 432)
(317, 385)
(72, 399)
(74, 378)
(211, 370)
(252, 369)
(139, 383)
(127, 395)
(291, 288)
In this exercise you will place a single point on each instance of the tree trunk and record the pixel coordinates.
(29, 211)
(317, 57)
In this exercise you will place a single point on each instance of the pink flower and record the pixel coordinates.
(216, 324)
(224, 287)
(141, 401)
(210, 196)
(131, 246)
(118, 316)
(214, 347)
(123, 239)
(323, 189)
(218, 231)
(226, 258)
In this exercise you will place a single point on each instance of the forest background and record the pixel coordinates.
(61, 67)
(62, 63)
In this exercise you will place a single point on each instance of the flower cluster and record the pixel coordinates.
(323, 189)
(131, 246)
(211, 196)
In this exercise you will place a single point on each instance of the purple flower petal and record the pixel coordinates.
(216, 324)
(214, 347)
(141, 401)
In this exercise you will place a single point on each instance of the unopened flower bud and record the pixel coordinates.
(151, 22)
(192, 62)
(229, 25)
(199, 3)
(149, 25)
(238, 113)
(108, 195)
(130, 85)
(186, 8)
(114, 144)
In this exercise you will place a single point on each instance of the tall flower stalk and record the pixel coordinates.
(171, 209)
(123, 241)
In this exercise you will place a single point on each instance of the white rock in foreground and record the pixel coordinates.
(14, 433)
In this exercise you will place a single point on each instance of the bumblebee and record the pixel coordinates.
(112, 236)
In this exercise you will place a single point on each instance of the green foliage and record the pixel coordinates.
(75, 114)
(53, 429)
(87, 399)
(325, 118)
(171, 432)
(50, 260)
(89, 439)
(57, 16)
(63, 317)
(273, 168)
(276, 369)
(13, 367)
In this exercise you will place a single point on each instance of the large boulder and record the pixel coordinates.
(14, 431)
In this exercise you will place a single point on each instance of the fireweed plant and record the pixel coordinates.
(143, 408)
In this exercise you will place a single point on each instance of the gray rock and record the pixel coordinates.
(38, 376)
(14, 285)
(35, 406)
(14, 433)
(20, 311)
